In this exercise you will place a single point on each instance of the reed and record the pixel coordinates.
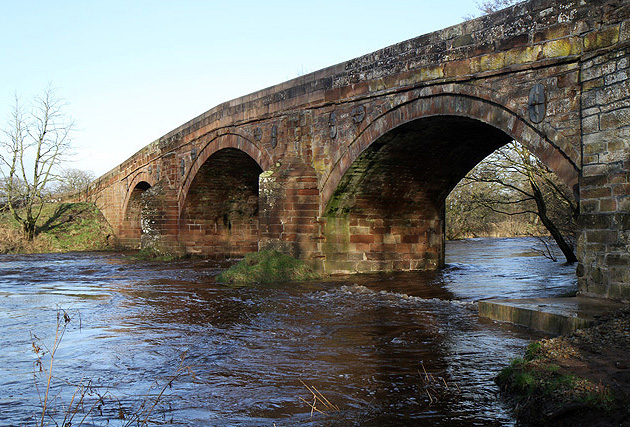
(87, 396)
(320, 403)
(436, 386)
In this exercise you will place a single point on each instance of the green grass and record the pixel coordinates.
(152, 254)
(533, 378)
(62, 227)
(533, 351)
(267, 267)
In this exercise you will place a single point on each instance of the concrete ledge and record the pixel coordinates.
(553, 315)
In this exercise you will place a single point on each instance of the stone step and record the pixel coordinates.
(552, 315)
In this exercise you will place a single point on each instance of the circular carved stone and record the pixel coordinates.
(358, 114)
(332, 121)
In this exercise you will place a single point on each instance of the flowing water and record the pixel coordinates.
(387, 350)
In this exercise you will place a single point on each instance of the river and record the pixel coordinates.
(387, 350)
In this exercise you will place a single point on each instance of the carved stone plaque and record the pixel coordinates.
(358, 114)
(537, 106)
(274, 136)
(258, 134)
(332, 122)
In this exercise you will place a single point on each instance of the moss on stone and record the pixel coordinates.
(560, 48)
(267, 267)
(601, 39)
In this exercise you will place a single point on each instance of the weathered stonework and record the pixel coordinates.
(358, 158)
(604, 268)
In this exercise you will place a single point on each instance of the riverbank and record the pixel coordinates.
(580, 379)
(63, 227)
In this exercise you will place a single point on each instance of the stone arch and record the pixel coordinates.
(230, 140)
(455, 101)
(141, 179)
(218, 215)
(131, 230)
(383, 200)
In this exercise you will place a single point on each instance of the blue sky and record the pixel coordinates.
(131, 71)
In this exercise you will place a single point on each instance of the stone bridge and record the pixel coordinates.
(349, 167)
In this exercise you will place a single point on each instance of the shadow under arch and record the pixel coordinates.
(384, 197)
(141, 179)
(230, 140)
(219, 214)
(457, 103)
(131, 231)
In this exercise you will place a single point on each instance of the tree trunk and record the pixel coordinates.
(566, 249)
(29, 228)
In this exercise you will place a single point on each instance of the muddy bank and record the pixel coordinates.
(581, 379)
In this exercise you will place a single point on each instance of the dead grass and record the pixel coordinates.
(436, 386)
(578, 379)
(320, 403)
(87, 398)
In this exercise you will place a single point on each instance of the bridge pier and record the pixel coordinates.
(364, 243)
(604, 244)
(289, 207)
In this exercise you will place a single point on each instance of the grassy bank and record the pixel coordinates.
(574, 380)
(63, 227)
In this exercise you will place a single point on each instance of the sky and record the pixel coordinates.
(131, 71)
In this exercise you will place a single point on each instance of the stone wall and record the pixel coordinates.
(604, 251)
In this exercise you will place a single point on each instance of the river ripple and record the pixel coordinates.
(364, 342)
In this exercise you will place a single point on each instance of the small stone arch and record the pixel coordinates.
(141, 179)
(131, 227)
(230, 140)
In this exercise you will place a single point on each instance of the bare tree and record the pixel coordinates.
(491, 6)
(74, 182)
(512, 181)
(31, 152)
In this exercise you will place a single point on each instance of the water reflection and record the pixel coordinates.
(363, 341)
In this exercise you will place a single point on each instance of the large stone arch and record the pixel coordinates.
(218, 208)
(456, 101)
(383, 200)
